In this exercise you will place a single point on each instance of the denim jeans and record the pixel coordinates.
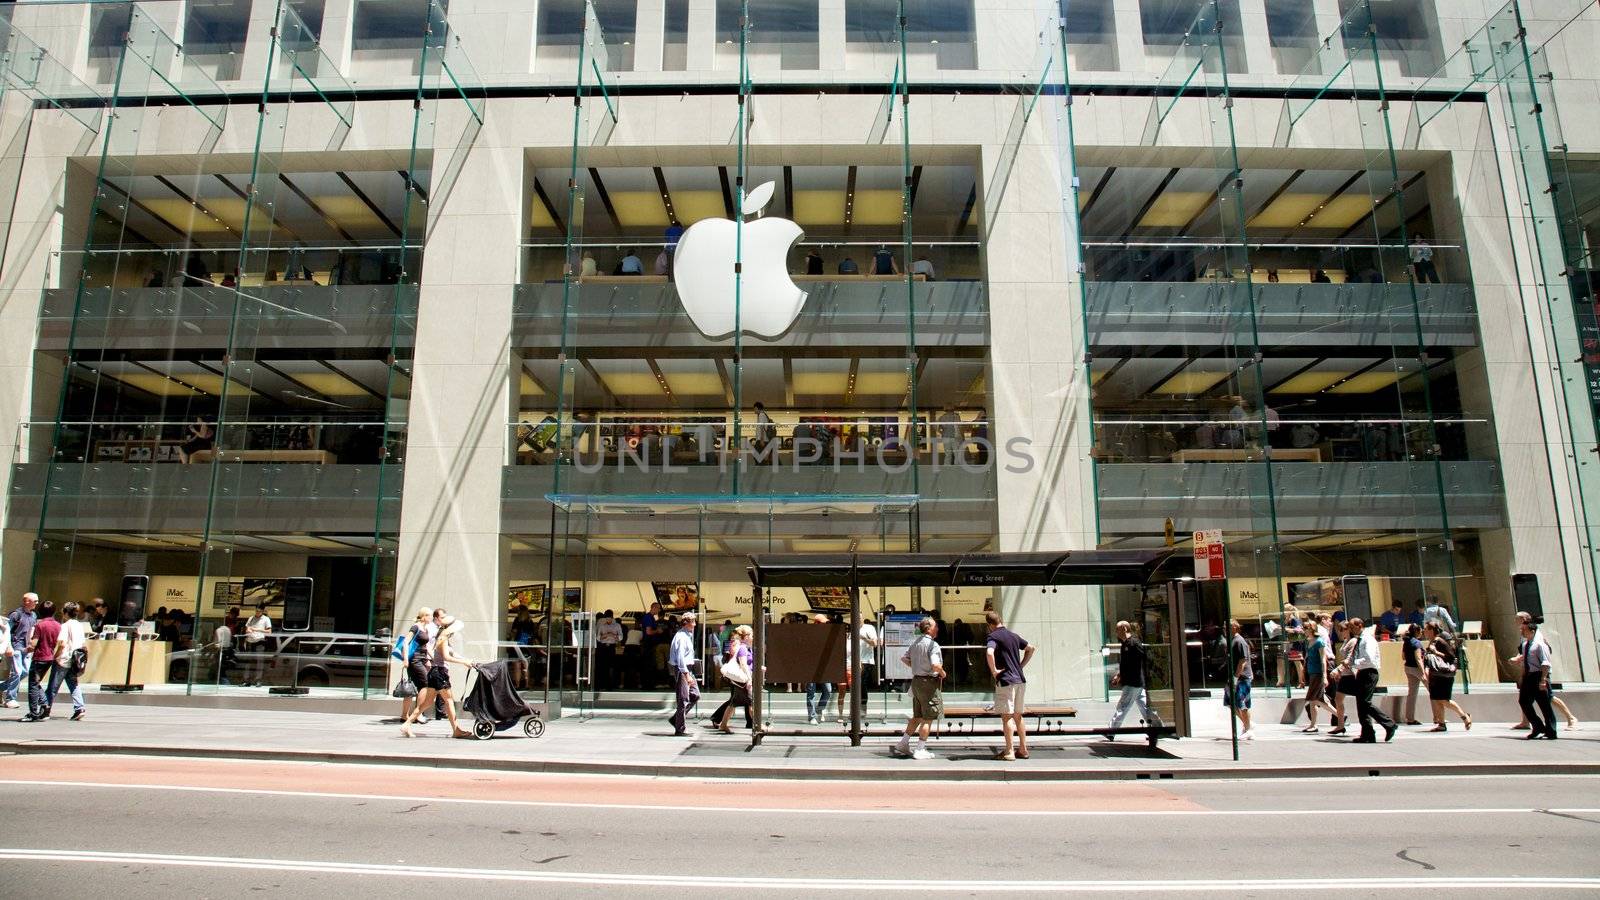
(18, 675)
(62, 673)
(817, 696)
(38, 679)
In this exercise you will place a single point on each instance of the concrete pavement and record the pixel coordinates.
(645, 747)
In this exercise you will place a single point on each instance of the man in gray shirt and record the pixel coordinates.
(680, 666)
(927, 677)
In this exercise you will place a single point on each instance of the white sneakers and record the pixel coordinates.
(922, 754)
(903, 750)
(12, 704)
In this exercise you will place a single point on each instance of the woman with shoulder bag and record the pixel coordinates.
(72, 657)
(1440, 660)
(415, 677)
(737, 671)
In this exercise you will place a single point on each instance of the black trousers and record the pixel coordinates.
(687, 694)
(1531, 694)
(738, 695)
(1366, 713)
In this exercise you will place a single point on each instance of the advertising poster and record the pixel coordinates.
(675, 596)
(533, 596)
(899, 630)
(828, 599)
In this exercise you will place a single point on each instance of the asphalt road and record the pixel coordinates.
(151, 827)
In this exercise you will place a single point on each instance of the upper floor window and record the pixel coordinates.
(389, 24)
(560, 34)
(940, 34)
(783, 35)
(675, 36)
(214, 33)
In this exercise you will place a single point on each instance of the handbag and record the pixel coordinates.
(404, 689)
(735, 671)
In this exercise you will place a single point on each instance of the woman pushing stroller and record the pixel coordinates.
(438, 678)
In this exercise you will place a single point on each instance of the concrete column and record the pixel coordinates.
(1129, 35)
(1328, 17)
(338, 27)
(496, 35)
(460, 399)
(831, 36)
(1257, 40)
(169, 17)
(1545, 534)
(258, 49)
(649, 35)
(1045, 487)
(702, 35)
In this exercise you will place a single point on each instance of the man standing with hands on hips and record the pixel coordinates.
(1007, 654)
(680, 664)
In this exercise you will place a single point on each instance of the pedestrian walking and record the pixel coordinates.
(1008, 654)
(1243, 674)
(1340, 681)
(869, 659)
(1533, 690)
(926, 662)
(72, 657)
(438, 683)
(222, 638)
(255, 643)
(1439, 658)
(680, 665)
(1411, 655)
(42, 661)
(20, 622)
(1316, 660)
(1295, 628)
(1363, 665)
(420, 634)
(1555, 700)
(738, 671)
(1130, 677)
(818, 692)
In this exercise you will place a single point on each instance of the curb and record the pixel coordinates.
(846, 772)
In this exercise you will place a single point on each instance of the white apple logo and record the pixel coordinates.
(769, 300)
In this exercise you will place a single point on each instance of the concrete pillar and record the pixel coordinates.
(831, 35)
(1545, 534)
(1129, 35)
(460, 400)
(258, 46)
(1328, 17)
(1257, 40)
(1045, 489)
(649, 35)
(338, 24)
(702, 35)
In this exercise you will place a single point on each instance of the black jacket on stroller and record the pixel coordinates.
(493, 696)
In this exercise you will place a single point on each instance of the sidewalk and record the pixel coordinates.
(644, 747)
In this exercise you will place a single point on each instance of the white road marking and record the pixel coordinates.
(800, 810)
(1411, 883)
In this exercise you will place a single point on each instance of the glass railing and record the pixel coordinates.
(197, 442)
(1373, 496)
(1225, 438)
(1358, 314)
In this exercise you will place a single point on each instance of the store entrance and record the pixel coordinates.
(594, 613)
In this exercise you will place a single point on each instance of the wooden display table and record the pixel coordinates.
(319, 457)
(1310, 454)
(1481, 664)
(108, 662)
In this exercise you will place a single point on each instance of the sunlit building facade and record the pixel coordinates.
(360, 306)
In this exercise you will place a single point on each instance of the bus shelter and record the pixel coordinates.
(855, 571)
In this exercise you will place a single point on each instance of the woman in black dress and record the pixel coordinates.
(1440, 661)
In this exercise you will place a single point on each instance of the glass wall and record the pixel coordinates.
(768, 349)
(233, 341)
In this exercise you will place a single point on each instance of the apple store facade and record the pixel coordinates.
(351, 307)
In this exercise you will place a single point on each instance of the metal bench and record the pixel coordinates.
(1045, 720)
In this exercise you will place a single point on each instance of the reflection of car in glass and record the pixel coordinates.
(309, 658)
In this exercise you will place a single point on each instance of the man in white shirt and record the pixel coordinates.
(926, 662)
(223, 639)
(255, 643)
(608, 638)
(73, 637)
(869, 661)
(1364, 665)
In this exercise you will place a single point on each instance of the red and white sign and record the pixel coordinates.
(1209, 564)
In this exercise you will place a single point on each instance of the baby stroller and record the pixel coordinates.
(495, 704)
